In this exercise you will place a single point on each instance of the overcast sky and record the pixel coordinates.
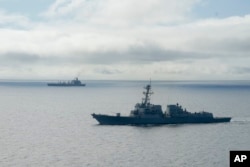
(132, 39)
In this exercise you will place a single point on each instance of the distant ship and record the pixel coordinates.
(146, 113)
(74, 82)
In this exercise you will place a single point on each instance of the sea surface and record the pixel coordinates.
(43, 126)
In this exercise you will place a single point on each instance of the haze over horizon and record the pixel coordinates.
(131, 40)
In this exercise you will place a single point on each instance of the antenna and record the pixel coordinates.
(147, 94)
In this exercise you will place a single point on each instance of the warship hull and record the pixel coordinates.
(126, 120)
(66, 85)
(74, 82)
(146, 113)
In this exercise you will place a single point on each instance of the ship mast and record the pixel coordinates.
(147, 93)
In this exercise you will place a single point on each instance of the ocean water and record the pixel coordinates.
(43, 126)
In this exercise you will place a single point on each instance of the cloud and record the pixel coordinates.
(139, 55)
(130, 39)
(107, 70)
(241, 70)
(115, 13)
(229, 35)
(21, 58)
(13, 20)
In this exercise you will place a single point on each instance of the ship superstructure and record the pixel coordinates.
(145, 108)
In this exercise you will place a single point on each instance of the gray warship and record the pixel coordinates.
(74, 82)
(146, 113)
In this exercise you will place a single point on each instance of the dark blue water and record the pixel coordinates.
(52, 126)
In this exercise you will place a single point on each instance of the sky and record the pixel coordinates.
(125, 40)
